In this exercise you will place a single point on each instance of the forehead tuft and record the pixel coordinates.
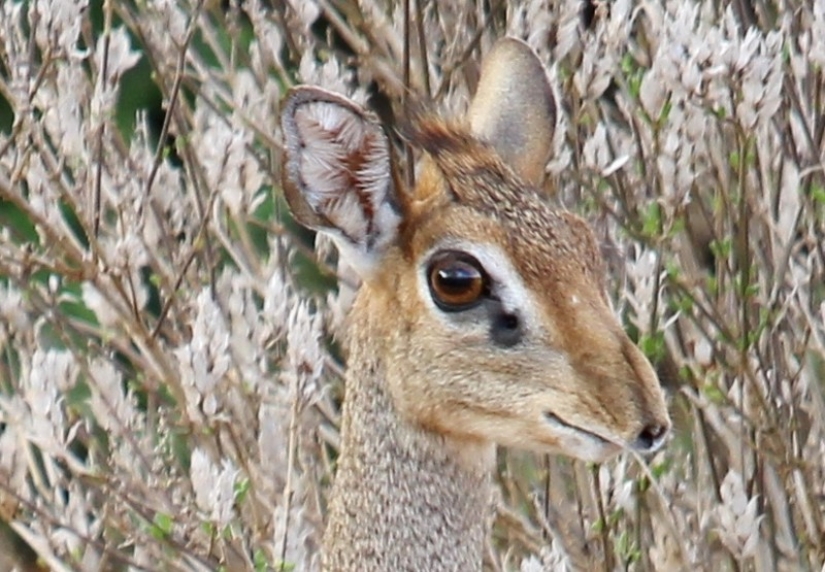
(550, 247)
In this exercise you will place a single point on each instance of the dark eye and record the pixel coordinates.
(457, 281)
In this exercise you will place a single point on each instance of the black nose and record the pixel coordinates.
(650, 437)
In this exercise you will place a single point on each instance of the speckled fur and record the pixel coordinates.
(404, 498)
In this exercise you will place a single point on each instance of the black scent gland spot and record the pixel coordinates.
(505, 329)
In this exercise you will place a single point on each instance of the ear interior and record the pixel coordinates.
(337, 173)
(514, 109)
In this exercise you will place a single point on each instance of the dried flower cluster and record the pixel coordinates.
(169, 370)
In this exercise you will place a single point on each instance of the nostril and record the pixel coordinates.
(650, 437)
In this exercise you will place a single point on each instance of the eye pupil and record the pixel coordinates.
(457, 281)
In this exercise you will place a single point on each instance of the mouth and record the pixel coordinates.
(554, 419)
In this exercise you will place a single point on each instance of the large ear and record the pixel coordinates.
(337, 176)
(514, 110)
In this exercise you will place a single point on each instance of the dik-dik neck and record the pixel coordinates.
(404, 498)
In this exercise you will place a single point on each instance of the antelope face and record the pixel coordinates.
(487, 305)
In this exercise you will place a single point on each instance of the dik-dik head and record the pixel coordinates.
(486, 306)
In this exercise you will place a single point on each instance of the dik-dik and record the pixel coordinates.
(482, 318)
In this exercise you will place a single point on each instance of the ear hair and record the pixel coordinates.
(337, 176)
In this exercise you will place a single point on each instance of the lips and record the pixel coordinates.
(556, 420)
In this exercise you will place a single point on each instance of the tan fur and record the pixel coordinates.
(429, 393)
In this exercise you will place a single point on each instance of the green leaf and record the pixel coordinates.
(652, 221)
(653, 346)
(241, 489)
(161, 526)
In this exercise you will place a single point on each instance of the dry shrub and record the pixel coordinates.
(169, 375)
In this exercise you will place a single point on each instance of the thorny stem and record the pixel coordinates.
(391, 82)
(102, 83)
(547, 506)
(604, 531)
(572, 541)
(167, 306)
(666, 508)
(173, 97)
(45, 516)
(55, 239)
(287, 494)
(422, 46)
(465, 55)
(408, 151)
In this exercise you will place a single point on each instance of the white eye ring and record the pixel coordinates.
(503, 283)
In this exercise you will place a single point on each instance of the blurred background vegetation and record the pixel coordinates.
(170, 370)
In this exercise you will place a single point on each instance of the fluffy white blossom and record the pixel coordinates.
(737, 517)
(57, 25)
(214, 487)
(551, 559)
(305, 357)
(49, 374)
(205, 359)
(229, 167)
(110, 401)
